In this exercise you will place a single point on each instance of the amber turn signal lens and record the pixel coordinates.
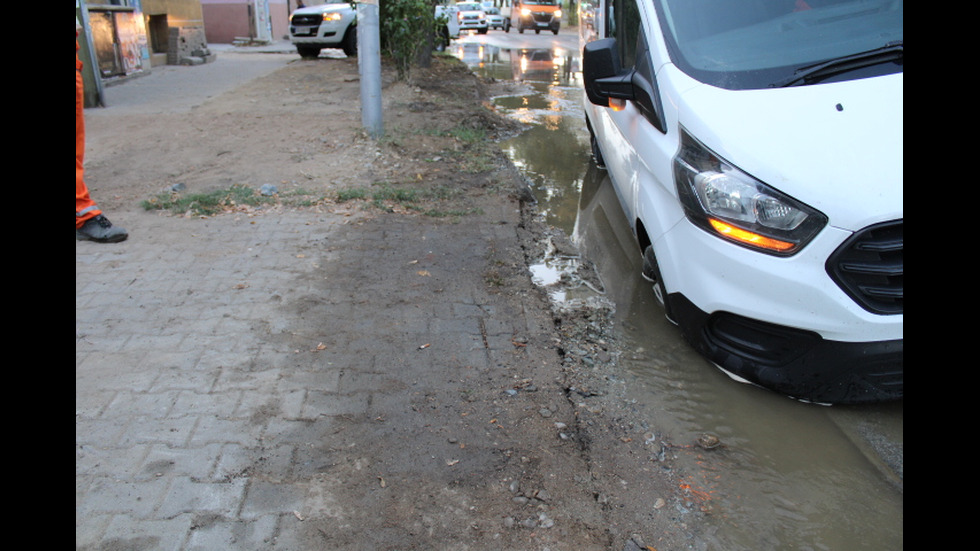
(749, 238)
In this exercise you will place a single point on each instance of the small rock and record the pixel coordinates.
(635, 544)
(268, 189)
(709, 441)
(544, 521)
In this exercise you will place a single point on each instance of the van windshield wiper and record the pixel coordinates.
(889, 52)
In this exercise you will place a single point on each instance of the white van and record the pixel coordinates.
(333, 24)
(756, 147)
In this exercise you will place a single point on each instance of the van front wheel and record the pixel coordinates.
(350, 42)
(651, 273)
(594, 143)
(597, 153)
(308, 52)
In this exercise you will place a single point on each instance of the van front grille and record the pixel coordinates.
(869, 267)
(307, 19)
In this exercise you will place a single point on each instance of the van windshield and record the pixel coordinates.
(763, 43)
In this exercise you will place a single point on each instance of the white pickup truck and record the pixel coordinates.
(334, 25)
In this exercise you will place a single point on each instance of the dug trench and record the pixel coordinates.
(504, 428)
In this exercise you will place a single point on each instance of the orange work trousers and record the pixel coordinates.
(85, 207)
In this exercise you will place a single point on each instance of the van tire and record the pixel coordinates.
(651, 273)
(349, 45)
(597, 153)
(442, 39)
(308, 52)
(594, 144)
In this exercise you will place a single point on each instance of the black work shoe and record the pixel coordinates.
(100, 229)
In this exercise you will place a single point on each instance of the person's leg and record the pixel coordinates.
(85, 207)
(90, 224)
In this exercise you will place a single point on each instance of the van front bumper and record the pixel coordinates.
(325, 34)
(473, 24)
(800, 364)
(540, 21)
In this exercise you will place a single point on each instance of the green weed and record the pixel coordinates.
(225, 200)
(207, 204)
(386, 196)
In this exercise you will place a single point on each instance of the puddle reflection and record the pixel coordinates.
(556, 65)
(554, 153)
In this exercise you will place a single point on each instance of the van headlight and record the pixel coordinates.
(733, 205)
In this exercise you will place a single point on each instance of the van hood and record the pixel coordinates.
(837, 147)
(323, 8)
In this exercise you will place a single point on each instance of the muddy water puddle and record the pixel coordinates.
(786, 475)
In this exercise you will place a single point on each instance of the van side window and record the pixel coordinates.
(623, 24)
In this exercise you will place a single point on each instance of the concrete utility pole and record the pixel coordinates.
(369, 65)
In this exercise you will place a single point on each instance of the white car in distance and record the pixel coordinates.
(472, 17)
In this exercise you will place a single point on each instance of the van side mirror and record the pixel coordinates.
(603, 74)
(604, 79)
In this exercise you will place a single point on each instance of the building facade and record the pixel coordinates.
(119, 38)
(128, 36)
(229, 21)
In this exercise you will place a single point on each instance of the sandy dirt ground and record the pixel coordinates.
(557, 461)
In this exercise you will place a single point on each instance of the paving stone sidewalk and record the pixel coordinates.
(211, 354)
